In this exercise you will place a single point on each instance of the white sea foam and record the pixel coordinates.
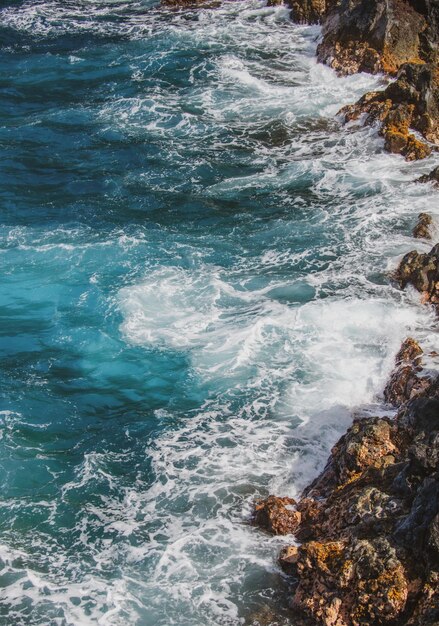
(285, 358)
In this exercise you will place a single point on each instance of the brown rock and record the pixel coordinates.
(348, 584)
(427, 608)
(277, 515)
(423, 227)
(412, 101)
(368, 443)
(405, 382)
(371, 551)
(307, 11)
(421, 270)
(288, 559)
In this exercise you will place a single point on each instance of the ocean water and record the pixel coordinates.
(194, 301)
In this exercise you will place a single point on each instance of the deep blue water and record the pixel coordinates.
(193, 300)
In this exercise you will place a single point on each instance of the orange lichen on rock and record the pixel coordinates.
(412, 101)
(370, 522)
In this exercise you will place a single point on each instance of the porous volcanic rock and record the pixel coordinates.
(277, 515)
(378, 35)
(347, 582)
(398, 37)
(370, 523)
(372, 35)
(308, 11)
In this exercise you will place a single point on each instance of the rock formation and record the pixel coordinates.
(398, 37)
(377, 36)
(411, 102)
(277, 515)
(421, 271)
(405, 382)
(370, 523)
(432, 177)
(308, 11)
(424, 226)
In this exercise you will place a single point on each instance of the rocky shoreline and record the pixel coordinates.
(367, 528)
(368, 525)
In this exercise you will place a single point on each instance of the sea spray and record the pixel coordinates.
(194, 300)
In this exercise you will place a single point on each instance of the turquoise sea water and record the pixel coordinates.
(193, 301)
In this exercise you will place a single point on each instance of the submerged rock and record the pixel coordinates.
(191, 4)
(432, 177)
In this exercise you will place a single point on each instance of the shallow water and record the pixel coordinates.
(193, 299)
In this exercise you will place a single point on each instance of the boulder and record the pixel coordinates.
(421, 270)
(405, 381)
(424, 226)
(277, 515)
(373, 35)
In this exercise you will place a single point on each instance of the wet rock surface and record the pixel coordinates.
(308, 11)
(397, 37)
(406, 381)
(277, 515)
(378, 35)
(432, 177)
(411, 102)
(421, 271)
(424, 226)
(369, 524)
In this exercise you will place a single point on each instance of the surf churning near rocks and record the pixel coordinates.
(194, 298)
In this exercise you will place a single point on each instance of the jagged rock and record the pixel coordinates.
(370, 523)
(277, 515)
(347, 583)
(307, 11)
(432, 177)
(423, 227)
(368, 443)
(422, 271)
(412, 101)
(373, 36)
(288, 559)
(427, 609)
(405, 382)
